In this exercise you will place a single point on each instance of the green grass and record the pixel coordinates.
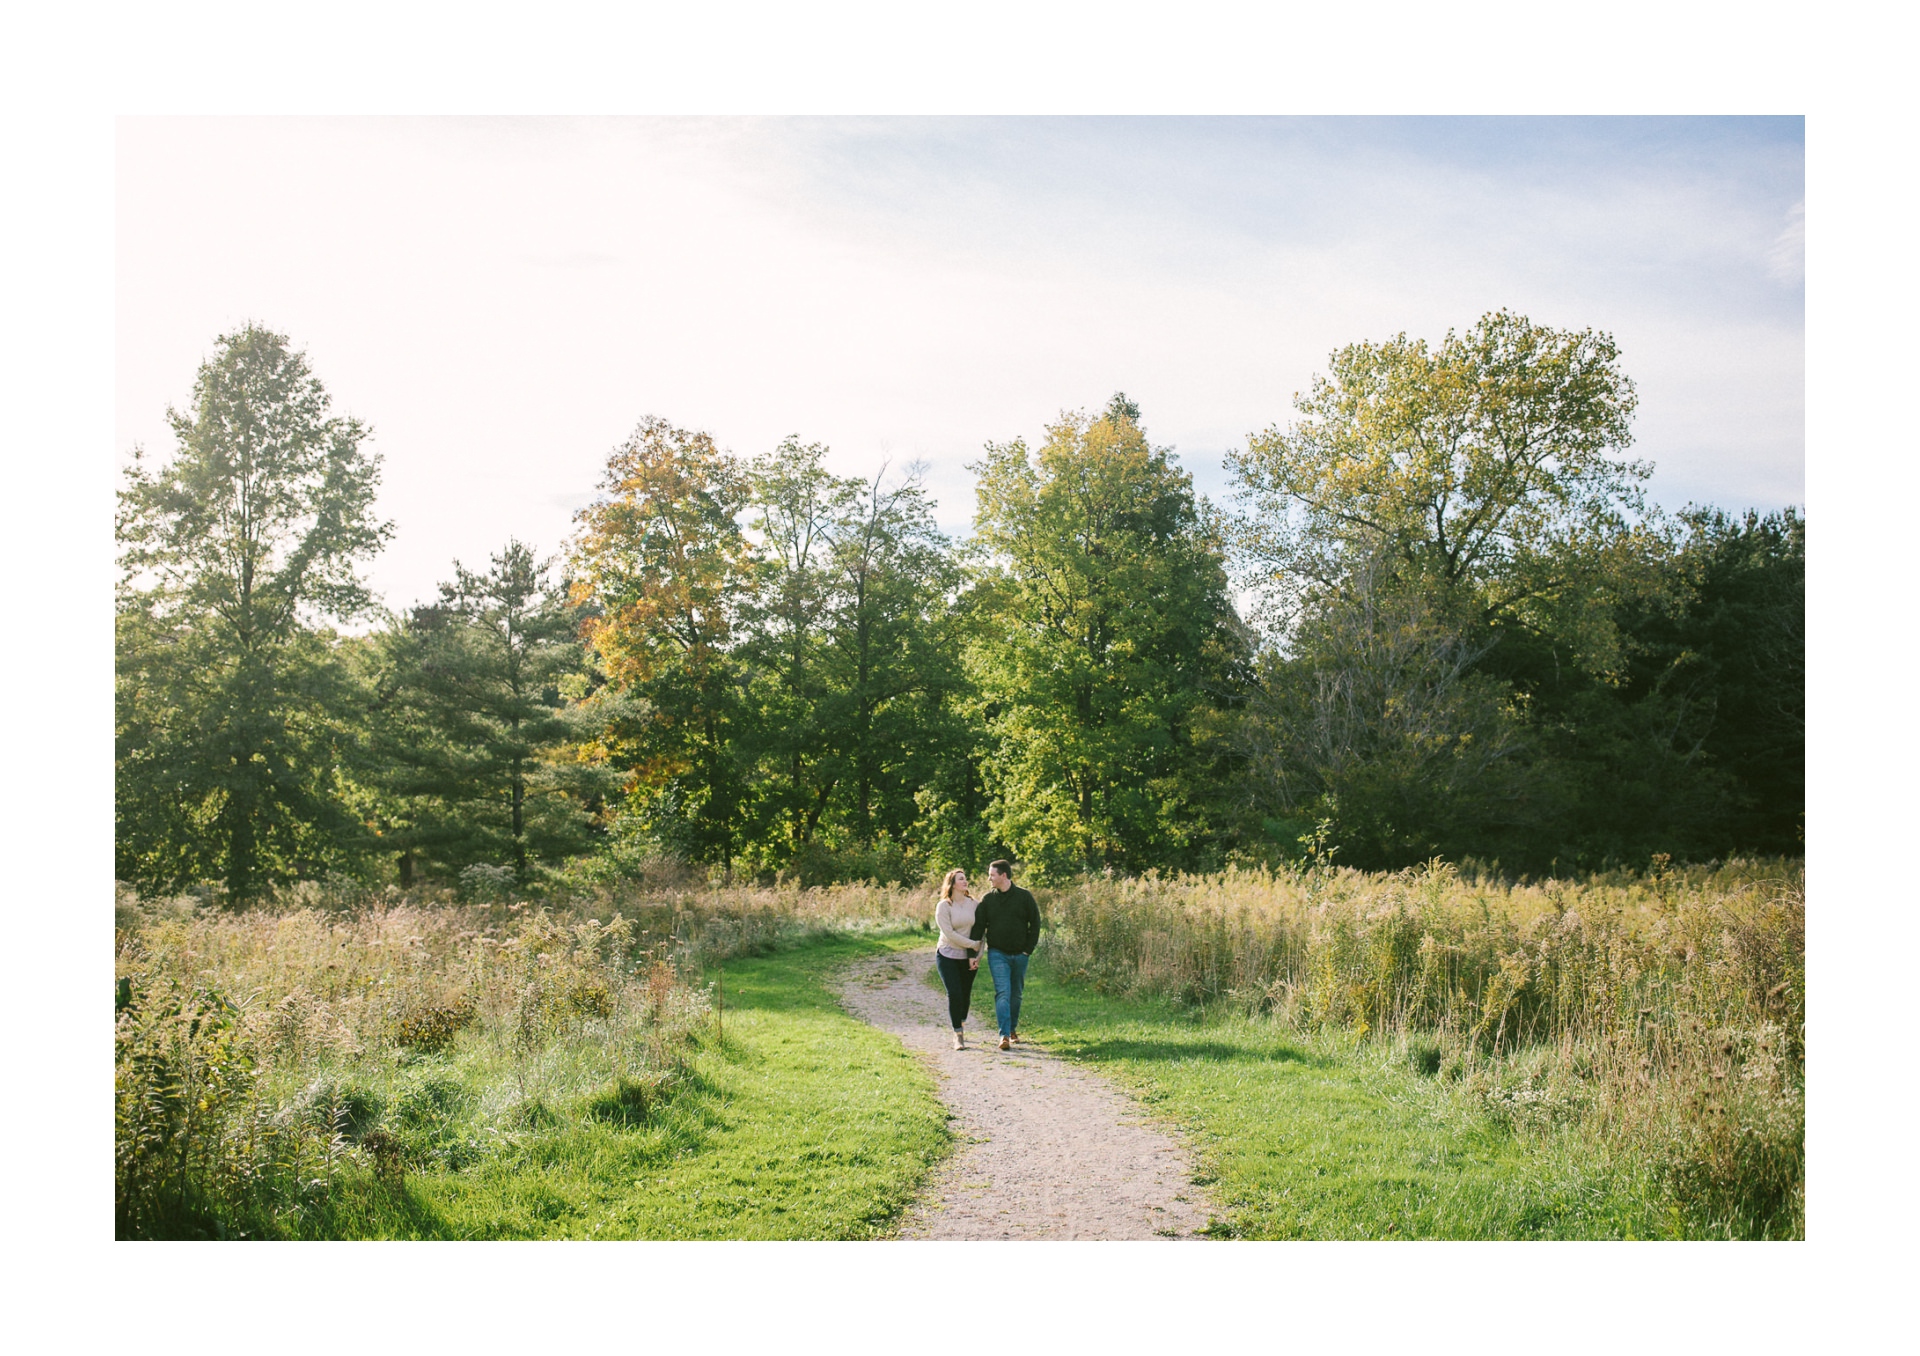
(1324, 1138)
(801, 1123)
(805, 1123)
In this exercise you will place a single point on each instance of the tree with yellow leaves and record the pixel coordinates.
(660, 561)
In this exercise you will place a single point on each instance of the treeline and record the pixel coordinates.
(1464, 635)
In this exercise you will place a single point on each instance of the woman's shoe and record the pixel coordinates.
(1005, 1043)
(959, 1041)
(1015, 1038)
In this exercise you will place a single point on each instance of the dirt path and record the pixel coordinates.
(1049, 1150)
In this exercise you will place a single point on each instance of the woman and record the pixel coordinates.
(957, 953)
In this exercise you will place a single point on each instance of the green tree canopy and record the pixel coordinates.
(1483, 474)
(1488, 645)
(847, 638)
(1104, 638)
(892, 660)
(229, 705)
(798, 508)
(662, 560)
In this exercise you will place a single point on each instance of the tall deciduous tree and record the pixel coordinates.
(846, 639)
(662, 558)
(1483, 474)
(891, 658)
(233, 552)
(1105, 637)
(798, 509)
(1489, 645)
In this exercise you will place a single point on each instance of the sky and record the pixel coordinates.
(503, 299)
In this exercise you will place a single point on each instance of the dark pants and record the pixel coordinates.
(958, 976)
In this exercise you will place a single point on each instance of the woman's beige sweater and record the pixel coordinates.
(955, 919)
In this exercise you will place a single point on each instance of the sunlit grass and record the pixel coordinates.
(1321, 1137)
(1657, 1018)
(1421, 1053)
(802, 1123)
(506, 1072)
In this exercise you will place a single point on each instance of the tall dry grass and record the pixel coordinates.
(1663, 1015)
(270, 1060)
(265, 1058)
(263, 1054)
(1659, 1015)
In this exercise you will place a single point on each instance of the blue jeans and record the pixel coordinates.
(1009, 970)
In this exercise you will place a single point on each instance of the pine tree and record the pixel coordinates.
(472, 723)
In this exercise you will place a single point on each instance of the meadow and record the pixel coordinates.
(1427, 1053)
(1650, 1027)
(337, 1065)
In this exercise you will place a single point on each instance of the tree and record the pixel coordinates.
(1105, 638)
(1724, 660)
(1378, 723)
(799, 508)
(1485, 643)
(845, 637)
(1748, 618)
(662, 558)
(891, 657)
(1482, 475)
(233, 552)
(473, 725)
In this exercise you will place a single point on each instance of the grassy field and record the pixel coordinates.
(1316, 1136)
(799, 1123)
(777, 1117)
(1652, 1022)
(1418, 1054)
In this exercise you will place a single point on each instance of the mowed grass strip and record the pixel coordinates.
(801, 1123)
(1310, 1138)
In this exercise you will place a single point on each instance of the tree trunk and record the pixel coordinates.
(242, 852)
(519, 822)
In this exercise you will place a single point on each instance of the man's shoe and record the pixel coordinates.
(1005, 1043)
(1015, 1038)
(959, 1041)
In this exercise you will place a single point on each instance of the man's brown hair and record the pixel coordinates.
(1002, 865)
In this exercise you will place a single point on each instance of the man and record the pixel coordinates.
(1008, 921)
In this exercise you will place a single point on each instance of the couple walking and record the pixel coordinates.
(1006, 926)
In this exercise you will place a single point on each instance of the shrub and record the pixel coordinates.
(487, 884)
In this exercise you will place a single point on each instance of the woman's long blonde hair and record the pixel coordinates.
(946, 890)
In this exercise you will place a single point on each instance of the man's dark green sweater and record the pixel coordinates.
(1007, 920)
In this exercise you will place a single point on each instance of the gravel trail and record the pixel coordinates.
(1049, 1149)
